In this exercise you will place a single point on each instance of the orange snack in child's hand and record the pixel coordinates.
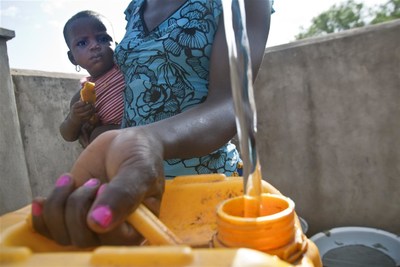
(88, 94)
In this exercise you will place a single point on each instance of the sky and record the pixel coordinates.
(38, 25)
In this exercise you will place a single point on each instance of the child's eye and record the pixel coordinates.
(104, 39)
(81, 43)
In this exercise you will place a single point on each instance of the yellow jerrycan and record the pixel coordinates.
(201, 223)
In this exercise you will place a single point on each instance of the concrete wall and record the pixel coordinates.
(328, 134)
(329, 126)
(43, 102)
(15, 190)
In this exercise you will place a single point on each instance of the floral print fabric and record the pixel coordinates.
(166, 72)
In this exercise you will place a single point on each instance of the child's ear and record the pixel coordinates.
(71, 58)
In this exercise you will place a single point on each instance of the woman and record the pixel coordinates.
(128, 164)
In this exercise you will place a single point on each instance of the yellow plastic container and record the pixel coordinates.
(188, 214)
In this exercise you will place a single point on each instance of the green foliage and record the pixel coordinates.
(350, 15)
(387, 12)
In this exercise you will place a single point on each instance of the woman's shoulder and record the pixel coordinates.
(132, 8)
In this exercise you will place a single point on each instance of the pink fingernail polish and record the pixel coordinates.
(102, 215)
(91, 183)
(101, 189)
(63, 180)
(36, 209)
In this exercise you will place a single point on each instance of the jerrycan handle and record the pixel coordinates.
(146, 223)
(154, 230)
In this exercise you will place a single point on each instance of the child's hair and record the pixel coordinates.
(79, 15)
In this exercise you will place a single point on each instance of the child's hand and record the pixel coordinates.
(81, 112)
(81, 212)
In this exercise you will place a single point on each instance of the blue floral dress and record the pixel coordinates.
(166, 72)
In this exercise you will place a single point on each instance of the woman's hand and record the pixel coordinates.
(112, 176)
(99, 129)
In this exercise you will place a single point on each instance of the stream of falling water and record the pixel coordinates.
(243, 97)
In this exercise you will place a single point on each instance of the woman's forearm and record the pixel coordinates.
(198, 131)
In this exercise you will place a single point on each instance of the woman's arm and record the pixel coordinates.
(211, 124)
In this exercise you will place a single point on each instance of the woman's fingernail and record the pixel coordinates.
(36, 209)
(91, 183)
(102, 215)
(101, 189)
(63, 180)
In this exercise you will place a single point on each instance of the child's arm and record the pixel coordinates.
(80, 113)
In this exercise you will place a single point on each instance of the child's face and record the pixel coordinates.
(90, 46)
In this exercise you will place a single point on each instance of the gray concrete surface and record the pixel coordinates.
(328, 127)
(15, 190)
(43, 101)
